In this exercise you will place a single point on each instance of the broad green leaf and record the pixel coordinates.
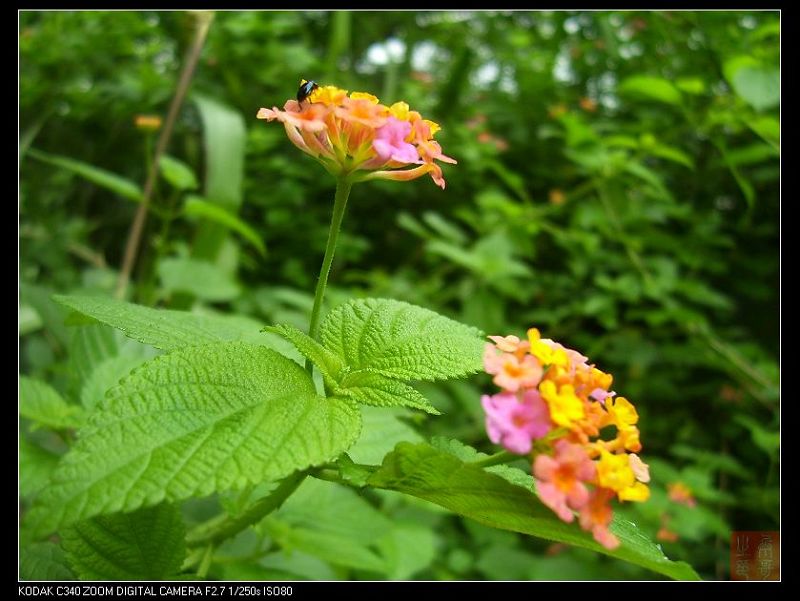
(147, 544)
(196, 206)
(329, 364)
(283, 565)
(767, 440)
(90, 345)
(444, 228)
(202, 279)
(29, 319)
(403, 341)
(43, 561)
(759, 87)
(577, 131)
(467, 454)
(732, 65)
(756, 84)
(752, 154)
(177, 173)
(651, 177)
(673, 154)
(373, 389)
(224, 136)
(224, 139)
(105, 179)
(650, 88)
(333, 509)
(162, 328)
(427, 473)
(52, 315)
(691, 85)
(331, 522)
(105, 376)
(35, 467)
(196, 421)
(382, 430)
(406, 550)
(745, 186)
(40, 403)
(336, 550)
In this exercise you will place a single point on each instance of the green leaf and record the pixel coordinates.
(759, 87)
(647, 87)
(329, 364)
(196, 421)
(769, 128)
(369, 342)
(43, 561)
(197, 206)
(337, 550)
(691, 85)
(767, 440)
(402, 341)
(756, 84)
(105, 376)
(752, 154)
(671, 153)
(376, 390)
(29, 319)
(147, 544)
(105, 179)
(407, 549)
(202, 279)
(162, 328)
(224, 140)
(427, 473)
(382, 430)
(282, 565)
(177, 173)
(90, 345)
(330, 522)
(43, 405)
(36, 465)
(333, 509)
(467, 454)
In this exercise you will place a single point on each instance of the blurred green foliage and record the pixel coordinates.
(617, 187)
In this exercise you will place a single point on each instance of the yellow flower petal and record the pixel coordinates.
(364, 96)
(565, 407)
(399, 110)
(614, 471)
(638, 492)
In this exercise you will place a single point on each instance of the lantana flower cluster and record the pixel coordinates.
(552, 408)
(356, 136)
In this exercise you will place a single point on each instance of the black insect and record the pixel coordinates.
(305, 90)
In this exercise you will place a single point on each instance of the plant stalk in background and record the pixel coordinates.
(203, 21)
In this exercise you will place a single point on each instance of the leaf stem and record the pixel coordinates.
(233, 525)
(496, 459)
(343, 185)
(205, 563)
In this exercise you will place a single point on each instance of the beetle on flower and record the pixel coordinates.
(358, 137)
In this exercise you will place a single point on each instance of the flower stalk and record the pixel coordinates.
(343, 186)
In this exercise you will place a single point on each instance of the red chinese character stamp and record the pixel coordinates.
(755, 555)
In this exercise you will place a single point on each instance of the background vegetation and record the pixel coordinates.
(617, 187)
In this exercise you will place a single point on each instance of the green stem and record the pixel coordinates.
(203, 22)
(496, 459)
(255, 513)
(205, 563)
(343, 185)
